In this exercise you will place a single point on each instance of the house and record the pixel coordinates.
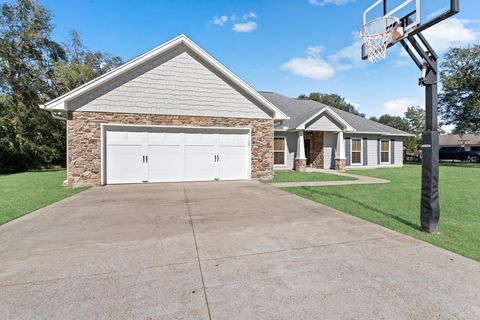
(320, 136)
(468, 141)
(177, 114)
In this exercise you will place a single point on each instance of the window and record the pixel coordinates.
(385, 151)
(279, 151)
(356, 151)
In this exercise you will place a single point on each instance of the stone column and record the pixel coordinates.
(300, 159)
(340, 159)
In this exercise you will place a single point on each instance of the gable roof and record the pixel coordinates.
(302, 111)
(60, 103)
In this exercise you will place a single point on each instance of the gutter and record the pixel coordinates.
(56, 114)
(381, 133)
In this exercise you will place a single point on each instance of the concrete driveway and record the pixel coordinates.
(224, 250)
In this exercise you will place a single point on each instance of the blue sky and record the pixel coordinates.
(286, 46)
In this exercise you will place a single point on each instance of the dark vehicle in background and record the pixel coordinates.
(459, 153)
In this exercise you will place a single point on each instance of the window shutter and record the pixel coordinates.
(379, 148)
(392, 151)
(365, 151)
(347, 151)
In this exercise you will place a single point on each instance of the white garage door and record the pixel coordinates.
(134, 156)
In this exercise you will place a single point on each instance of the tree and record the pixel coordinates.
(34, 69)
(27, 56)
(332, 100)
(415, 117)
(460, 100)
(80, 65)
(396, 122)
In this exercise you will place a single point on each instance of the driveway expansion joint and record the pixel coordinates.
(187, 202)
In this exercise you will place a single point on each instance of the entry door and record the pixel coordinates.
(307, 150)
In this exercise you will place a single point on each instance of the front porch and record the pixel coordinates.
(315, 150)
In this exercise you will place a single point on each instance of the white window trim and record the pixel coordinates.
(284, 152)
(389, 151)
(361, 152)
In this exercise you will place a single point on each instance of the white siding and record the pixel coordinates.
(324, 123)
(372, 152)
(329, 147)
(174, 84)
(291, 145)
(398, 152)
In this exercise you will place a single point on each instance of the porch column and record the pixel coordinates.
(340, 159)
(300, 159)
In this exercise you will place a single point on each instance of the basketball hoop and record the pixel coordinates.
(378, 34)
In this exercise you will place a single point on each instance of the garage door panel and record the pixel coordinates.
(125, 137)
(165, 163)
(200, 163)
(125, 164)
(201, 138)
(233, 163)
(165, 138)
(233, 139)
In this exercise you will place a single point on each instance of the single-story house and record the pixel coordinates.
(466, 141)
(324, 137)
(177, 114)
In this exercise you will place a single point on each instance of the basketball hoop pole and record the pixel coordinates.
(430, 205)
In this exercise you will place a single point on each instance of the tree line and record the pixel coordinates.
(34, 69)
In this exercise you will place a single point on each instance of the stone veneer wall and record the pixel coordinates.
(316, 149)
(84, 135)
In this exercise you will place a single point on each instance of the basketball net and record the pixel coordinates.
(378, 34)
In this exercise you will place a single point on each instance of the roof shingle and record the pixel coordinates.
(300, 111)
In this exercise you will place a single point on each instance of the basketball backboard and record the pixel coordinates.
(414, 15)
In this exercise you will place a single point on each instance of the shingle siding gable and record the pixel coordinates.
(173, 84)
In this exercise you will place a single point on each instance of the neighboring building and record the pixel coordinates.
(177, 114)
(456, 140)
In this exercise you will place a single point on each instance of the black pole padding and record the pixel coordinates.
(430, 204)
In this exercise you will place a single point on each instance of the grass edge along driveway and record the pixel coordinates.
(294, 176)
(397, 205)
(25, 192)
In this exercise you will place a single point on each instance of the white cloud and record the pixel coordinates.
(345, 59)
(244, 23)
(348, 57)
(220, 21)
(311, 66)
(449, 33)
(245, 27)
(324, 2)
(250, 15)
(398, 107)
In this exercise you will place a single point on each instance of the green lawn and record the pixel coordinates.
(293, 176)
(397, 205)
(21, 193)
